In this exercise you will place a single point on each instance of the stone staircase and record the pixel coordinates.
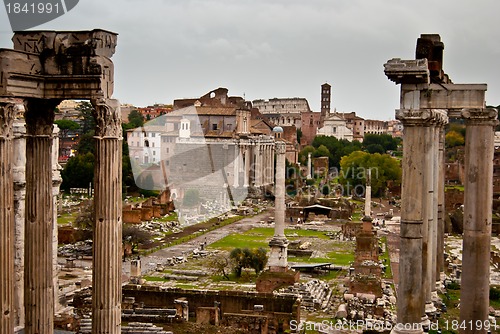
(132, 328)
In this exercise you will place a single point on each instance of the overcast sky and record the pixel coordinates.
(260, 49)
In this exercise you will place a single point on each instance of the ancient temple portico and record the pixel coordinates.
(44, 68)
(428, 100)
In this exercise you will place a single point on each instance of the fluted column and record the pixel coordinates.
(410, 299)
(428, 279)
(441, 208)
(479, 149)
(258, 165)
(236, 168)
(56, 183)
(19, 171)
(246, 170)
(278, 256)
(38, 257)
(7, 316)
(107, 249)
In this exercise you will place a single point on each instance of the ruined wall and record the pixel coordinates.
(230, 301)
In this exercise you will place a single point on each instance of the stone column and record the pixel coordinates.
(368, 194)
(236, 168)
(309, 166)
(479, 147)
(39, 221)
(107, 249)
(246, 171)
(19, 169)
(428, 279)
(410, 299)
(278, 256)
(7, 315)
(56, 183)
(258, 165)
(441, 212)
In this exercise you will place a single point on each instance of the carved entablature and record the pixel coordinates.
(108, 118)
(422, 117)
(280, 147)
(485, 116)
(61, 65)
(8, 111)
(95, 42)
(407, 71)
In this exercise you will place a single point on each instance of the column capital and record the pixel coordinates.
(8, 113)
(39, 116)
(484, 116)
(422, 117)
(108, 118)
(280, 147)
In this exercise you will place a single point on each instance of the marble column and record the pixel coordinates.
(107, 249)
(309, 166)
(258, 165)
(428, 279)
(19, 169)
(246, 171)
(479, 149)
(278, 256)
(39, 221)
(440, 208)
(368, 194)
(56, 183)
(236, 168)
(7, 314)
(410, 299)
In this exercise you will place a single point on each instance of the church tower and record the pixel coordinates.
(325, 102)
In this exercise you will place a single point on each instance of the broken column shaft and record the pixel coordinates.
(479, 147)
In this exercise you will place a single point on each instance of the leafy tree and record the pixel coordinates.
(375, 143)
(87, 115)
(384, 169)
(299, 135)
(135, 236)
(219, 265)
(321, 151)
(304, 153)
(453, 139)
(337, 148)
(78, 172)
(246, 258)
(135, 119)
(65, 126)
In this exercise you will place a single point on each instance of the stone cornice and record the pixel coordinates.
(422, 117)
(485, 116)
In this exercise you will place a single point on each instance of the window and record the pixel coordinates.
(146, 143)
(154, 152)
(152, 144)
(153, 134)
(214, 126)
(168, 150)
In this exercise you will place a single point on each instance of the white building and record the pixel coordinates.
(335, 126)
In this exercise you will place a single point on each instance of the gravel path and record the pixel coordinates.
(149, 262)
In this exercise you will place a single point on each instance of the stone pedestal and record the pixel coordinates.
(479, 147)
(7, 315)
(39, 221)
(107, 250)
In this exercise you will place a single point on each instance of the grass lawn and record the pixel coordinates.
(67, 218)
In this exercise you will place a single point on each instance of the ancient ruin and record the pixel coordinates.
(428, 100)
(44, 68)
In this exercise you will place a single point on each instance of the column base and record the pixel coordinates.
(430, 309)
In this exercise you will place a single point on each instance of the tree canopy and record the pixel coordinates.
(354, 167)
(375, 143)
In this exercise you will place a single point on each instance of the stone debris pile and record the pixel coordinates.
(315, 294)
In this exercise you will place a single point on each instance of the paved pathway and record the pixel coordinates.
(149, 262)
